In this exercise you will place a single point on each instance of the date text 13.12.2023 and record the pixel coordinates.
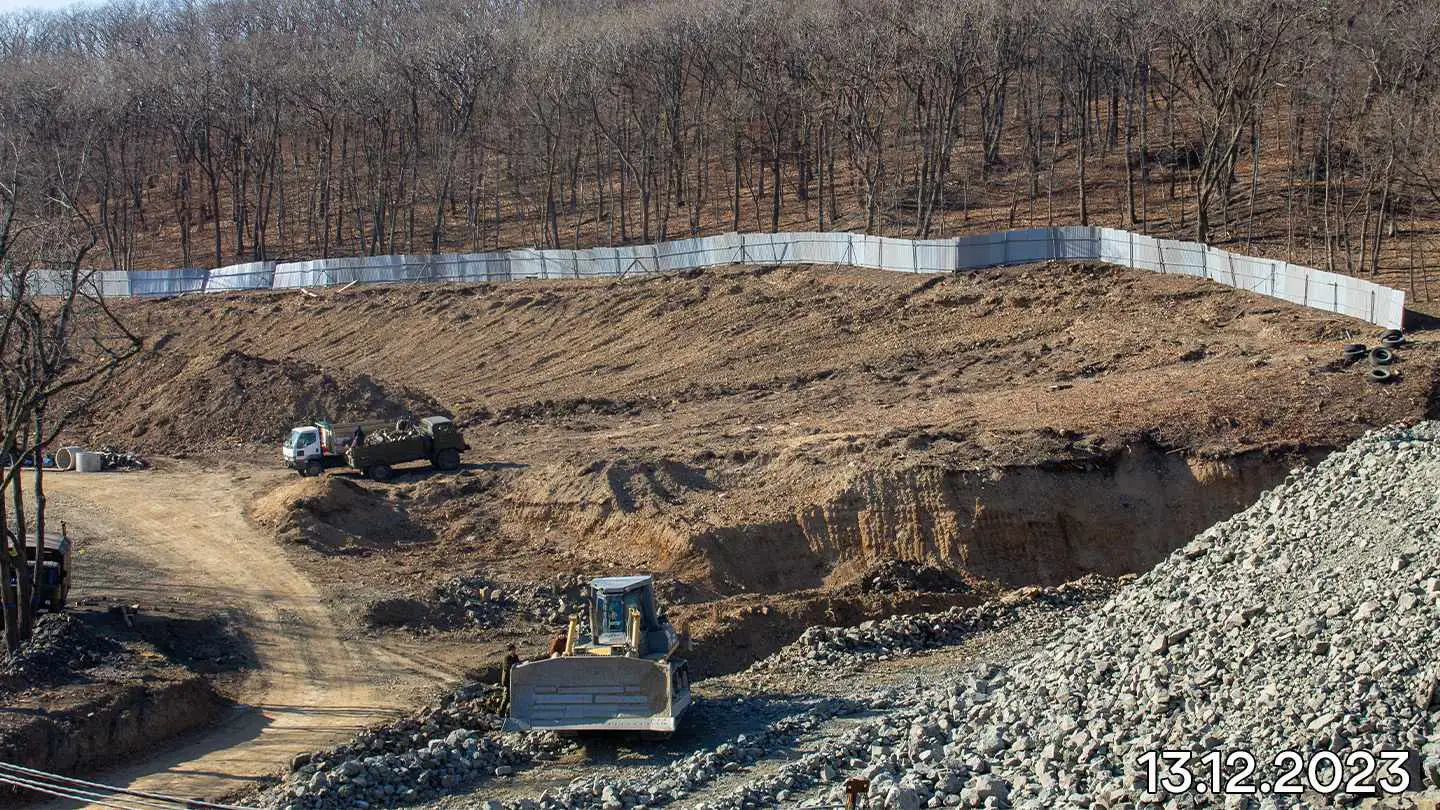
(1237, 772)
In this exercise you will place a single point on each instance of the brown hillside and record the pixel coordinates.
(773, 429)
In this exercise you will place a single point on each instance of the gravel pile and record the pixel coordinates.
(1305, 623)
(678, 779)
(490, 604)
(62, 646)
(894, 576)
(840, 648)
(419, 758)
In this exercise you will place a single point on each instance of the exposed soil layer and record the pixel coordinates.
(748, 431)
(90, 689)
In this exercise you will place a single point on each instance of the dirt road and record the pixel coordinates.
(185, 531)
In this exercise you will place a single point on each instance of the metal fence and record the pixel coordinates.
(1306, 286)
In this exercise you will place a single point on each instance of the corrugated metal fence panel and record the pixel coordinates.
(144, 283)
(50, 283)
(633, 261)
(248, 276)
(489, 267)
(1029, 245)
(1351, 296)
(1146, 255)
(1077, 242)
(1390, 310)
(526, 264)
(766, 248)
(979, 252)
(1314, 288)
(1293, 283)
(722, 249)
(1115, 246)
(935, 256)
(682, 254)
(113, 283)
(822, 248)
(1255, 275)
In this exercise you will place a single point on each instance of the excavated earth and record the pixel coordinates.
(764, 439)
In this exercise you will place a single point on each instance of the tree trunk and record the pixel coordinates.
(9, 596)
(38, 491)
(26, 596)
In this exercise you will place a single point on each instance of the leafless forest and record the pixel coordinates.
(210, 133)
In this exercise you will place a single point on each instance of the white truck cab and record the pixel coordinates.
(302, 446)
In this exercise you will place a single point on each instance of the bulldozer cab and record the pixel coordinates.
(617, 602)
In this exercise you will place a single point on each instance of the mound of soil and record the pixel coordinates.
(62, 648)
(337, 515)
(88, 690)
(897, 576)
(176, 405)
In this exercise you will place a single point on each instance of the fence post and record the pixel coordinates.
(1372, 304)
(743, 260)
(914, 256)
(1132, 248)
(1272, 280)
(1305, 295)
(1005, 249)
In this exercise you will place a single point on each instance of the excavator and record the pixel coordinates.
(618, 673)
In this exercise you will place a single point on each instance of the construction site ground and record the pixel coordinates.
(175, 541)
(764, 440)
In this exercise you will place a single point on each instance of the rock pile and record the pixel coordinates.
(851, 648)
(893, 576)
(416, 759)
(63, 644)
(490, 604)
(1303, 624)
(684, 776)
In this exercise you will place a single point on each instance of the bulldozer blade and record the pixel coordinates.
(594, 693)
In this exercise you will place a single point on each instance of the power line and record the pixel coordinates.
(26, 784)
(9, 771)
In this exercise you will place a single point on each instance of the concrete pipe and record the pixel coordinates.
(88, 462)
(65, 458)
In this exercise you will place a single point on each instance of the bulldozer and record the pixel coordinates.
(620, 673)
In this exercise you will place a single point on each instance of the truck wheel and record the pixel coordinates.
(447, 460)
(379, 472)
(311, 469)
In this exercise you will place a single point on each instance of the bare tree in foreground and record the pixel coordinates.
(59, 342)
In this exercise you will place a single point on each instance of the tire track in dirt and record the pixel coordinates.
(312, 686)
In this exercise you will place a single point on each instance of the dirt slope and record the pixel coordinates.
(769, 430)
(197, 398)
(1091, 349)
(186, 539)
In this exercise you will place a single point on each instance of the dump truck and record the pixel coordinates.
(311, 449)
(620, 674)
